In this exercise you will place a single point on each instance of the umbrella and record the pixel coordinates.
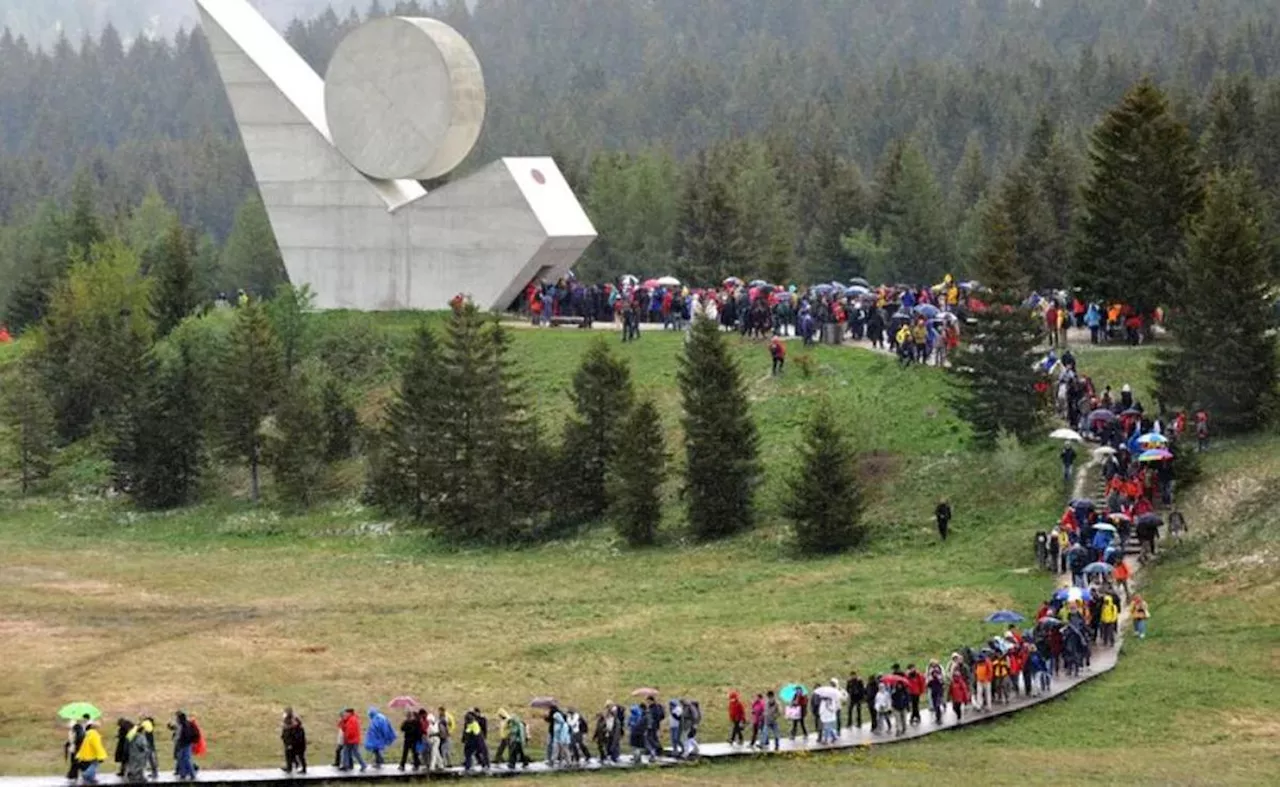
(1105, 526)
(1152, 440)
(1148, 519)
(856, 290)
(543, 702)
(835, 284)
(78, 710)
(1099, 568)
(1155, 455)
(650, 284)
(1066, 434)
(859, 281)
(1083, 502)
(790, 690)
(644, 692)
(1048, 622)
(891, 679)
(733, 281)
(1104, 450)
(1120, 516)
(830, 692)
(1005, 616)
(822, 288)
(1073, 594)
(404, 701)
(1101, 414)
(669, 281)
(759, 283)
(927, 310)
(1132, 412)
(627, 278)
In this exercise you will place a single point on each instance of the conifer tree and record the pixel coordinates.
(1143, 186)
(1230, 141)
(709, 244)
(166, 453)
(29, 417)
(969, 181)
(825, 499)
(174, 295)
(407, 458)
(287, 311)
(721, 443)
(1225, 357)
(1034, 229)
(637, 474)
(602, 395)
(922, 250)
(251, 259)
(993, 370)
(296, 446)
(84, 228)
(251, 379)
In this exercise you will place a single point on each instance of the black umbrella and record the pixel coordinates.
(1149, 519)
(1132, 412)
(1083, 502)
(1102, 414)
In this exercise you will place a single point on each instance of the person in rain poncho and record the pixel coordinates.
(139, 756)
(884, 707)
(379, 736)
(91, 753)
(561, 739)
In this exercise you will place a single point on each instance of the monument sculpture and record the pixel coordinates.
(343, 166)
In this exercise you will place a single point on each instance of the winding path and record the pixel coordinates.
(1103, 661)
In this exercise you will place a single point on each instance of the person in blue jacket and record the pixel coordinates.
(379, 736)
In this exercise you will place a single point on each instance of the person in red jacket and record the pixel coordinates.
(959, 692)
(349, 733)
(915, 687)
(737, 717)
(778, 351)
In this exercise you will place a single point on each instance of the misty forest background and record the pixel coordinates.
(849, 137)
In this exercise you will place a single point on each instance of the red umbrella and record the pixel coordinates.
(892, 679)
(404, 701)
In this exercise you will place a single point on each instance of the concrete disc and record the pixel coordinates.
(404, 98)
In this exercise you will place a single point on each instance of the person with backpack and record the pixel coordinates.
(778, 352)
(653, 726)
(294, 737)
(516, 734)
(690, 720)
(936, 685)
(737, 717)
(470, 736)
(445, 724)
(796, 712)
(637, 722)
(185, 738)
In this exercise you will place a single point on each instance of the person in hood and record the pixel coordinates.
(138, 756)
(123, 728)
(771, 711)
(757, 719)
(737, 718)
(942, 514)
(637, 721)
(884, 708)
(674, 711)
(379, 737)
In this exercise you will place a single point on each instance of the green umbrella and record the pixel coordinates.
(78, 710)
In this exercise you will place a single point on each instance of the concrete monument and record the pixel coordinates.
(340, 163)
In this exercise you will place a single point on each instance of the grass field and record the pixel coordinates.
(232, 612)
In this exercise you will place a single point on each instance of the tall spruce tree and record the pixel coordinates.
(722, 466)
(252, 375)
(174, 295)
(825, 499)
(251, 259)
(993, 370)
(295, 449)
(167, 450)
(29, 417)
(602, 395)
(637, 474)
(408, 456)
(1143, 186)
(1225, 357)
(709, 242)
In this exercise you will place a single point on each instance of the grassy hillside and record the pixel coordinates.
(233, 611)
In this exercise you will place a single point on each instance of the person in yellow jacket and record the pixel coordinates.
(1108, 615)
(1139, 612)
(91, 753)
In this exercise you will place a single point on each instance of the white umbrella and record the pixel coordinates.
(1110, 528)
(627, 278)
(1066, 434)
(829, 692)
(669, 281)
(1105, 450)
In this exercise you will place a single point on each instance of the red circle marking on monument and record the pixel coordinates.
(539, 178)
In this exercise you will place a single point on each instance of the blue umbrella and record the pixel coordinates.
(789, 691)
(822, 288)
(1005, 616)
(1073, 594)
(927, 310)
(857, 289)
